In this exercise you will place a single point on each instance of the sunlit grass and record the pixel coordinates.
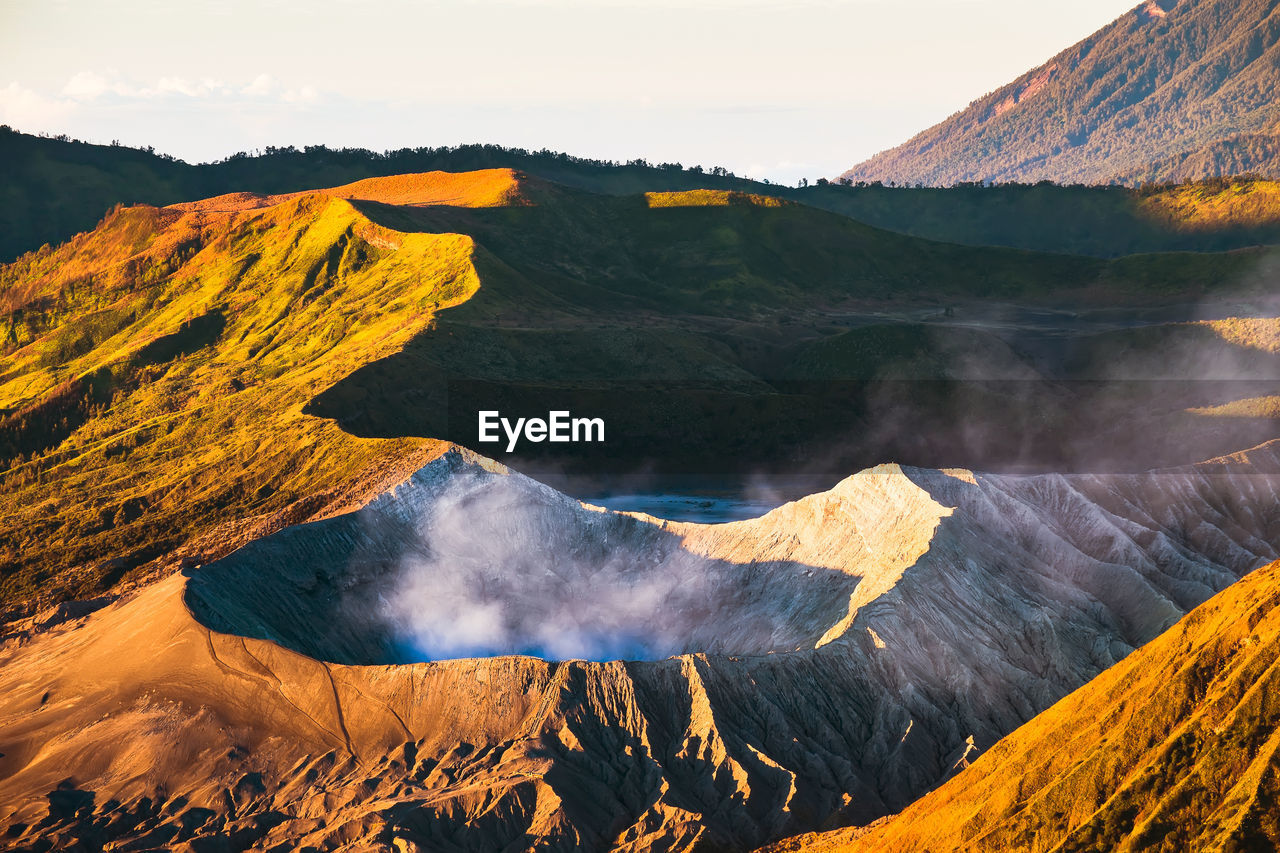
(1214, 205)
(1259, 333)
(711, 198)
(1250, 407)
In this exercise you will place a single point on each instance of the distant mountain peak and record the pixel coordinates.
(1174, 90)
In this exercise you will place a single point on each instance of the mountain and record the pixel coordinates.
(144, 363)
(1173, 748)
(828, 662)
(1173, 90)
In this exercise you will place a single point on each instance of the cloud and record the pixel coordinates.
(88, 86)
(260, 86)
(202, 88)
(504, 565)
(303, 95)
(21, 107)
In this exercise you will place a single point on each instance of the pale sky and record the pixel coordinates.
(777, 90)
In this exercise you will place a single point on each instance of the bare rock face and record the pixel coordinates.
(476, 662)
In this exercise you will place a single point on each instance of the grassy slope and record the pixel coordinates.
(1175, 748)
(1145, 89)
(157, 372)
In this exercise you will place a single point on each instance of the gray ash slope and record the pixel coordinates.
(832, 661)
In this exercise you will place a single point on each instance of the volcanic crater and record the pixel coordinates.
(468, 559)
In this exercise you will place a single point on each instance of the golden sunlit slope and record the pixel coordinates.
(1215, 205)
(1255, 333)
(484, 188)
(154, 373)
(710, 198)
(1175, 748)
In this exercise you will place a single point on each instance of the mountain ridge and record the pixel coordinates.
(59, 188)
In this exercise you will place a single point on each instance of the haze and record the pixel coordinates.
(768, 89)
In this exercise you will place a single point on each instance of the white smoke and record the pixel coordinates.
(506, 566)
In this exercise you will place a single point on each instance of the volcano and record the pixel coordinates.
(258, 595)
